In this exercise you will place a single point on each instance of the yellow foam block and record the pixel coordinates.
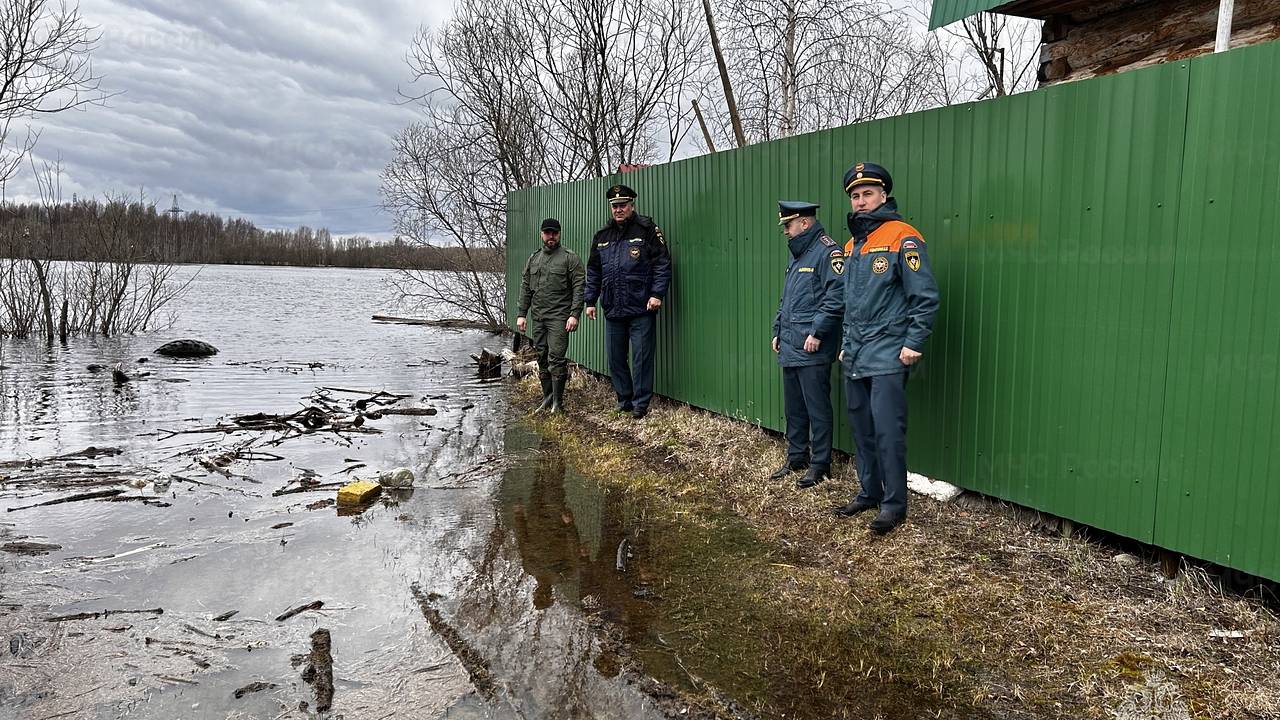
(360, 491)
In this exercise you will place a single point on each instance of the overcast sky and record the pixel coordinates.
(274, 110)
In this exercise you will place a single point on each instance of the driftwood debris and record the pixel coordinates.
(472, 661)
(102, 614)
(29, 548)
(488, 364)
(424, 411)
(313, 605)
(319, 670)
(450, 323)
(225, 616)
(253, 687)
(96, 495)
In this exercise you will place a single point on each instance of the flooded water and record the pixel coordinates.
(505, 584)
(446, 550)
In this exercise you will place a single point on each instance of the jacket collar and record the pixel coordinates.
(801, 243)
(863, 224)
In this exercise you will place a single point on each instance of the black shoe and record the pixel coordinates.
(854, 508)
(788, 468)
(639, 413)
(884, 523)
(816, 474)
(557, 395)
(623, 407)
(545, 379)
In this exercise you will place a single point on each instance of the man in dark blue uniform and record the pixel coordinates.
(806, 337)
(629, 272)
(890, 301)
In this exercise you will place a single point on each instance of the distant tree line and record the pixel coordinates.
(74, 231)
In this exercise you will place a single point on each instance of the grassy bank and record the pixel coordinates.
(967, 611)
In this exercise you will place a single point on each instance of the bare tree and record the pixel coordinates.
(804, 65)
(525, 94)
(1005, 48)
(443, 186)
(45, 68)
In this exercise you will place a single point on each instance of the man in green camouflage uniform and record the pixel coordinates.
(551, 287)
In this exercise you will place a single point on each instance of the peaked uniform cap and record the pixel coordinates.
(866, 173)
(792, 209)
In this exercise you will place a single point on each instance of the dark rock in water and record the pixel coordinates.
(118, 375)
(95, 367)
(143, 359)
(187, 348)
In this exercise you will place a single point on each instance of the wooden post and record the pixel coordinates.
(706, 134)
(724, 77)
(1226, 10)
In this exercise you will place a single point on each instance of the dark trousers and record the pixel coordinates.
(878, 414)
(806, 396)
(632, 384)
(551, 341)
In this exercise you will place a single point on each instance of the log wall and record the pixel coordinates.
(1088, 39)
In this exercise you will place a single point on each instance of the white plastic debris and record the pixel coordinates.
(401, 477)
(936, 489)
(1127, 559)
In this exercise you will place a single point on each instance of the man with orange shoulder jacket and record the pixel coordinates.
(890, 301)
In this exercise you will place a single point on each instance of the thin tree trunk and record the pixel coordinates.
(789, 75)
(724, 77)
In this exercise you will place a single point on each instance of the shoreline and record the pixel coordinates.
(991, 615)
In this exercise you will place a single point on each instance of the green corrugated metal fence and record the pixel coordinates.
(1106, 349)
(946, 12)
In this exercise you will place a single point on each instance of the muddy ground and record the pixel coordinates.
(973, 609)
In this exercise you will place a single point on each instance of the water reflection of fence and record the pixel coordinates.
(1105, 252)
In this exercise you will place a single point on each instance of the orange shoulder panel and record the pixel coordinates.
(848, 247)
(891, 234)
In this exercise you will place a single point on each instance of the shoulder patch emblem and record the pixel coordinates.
(826, 240)
(658, 231)
(913, 261)
(909, 244)
(837, 263)
(603, 244)
(635, 253)
(880, 265)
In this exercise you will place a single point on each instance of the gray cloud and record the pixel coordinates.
(280, 112)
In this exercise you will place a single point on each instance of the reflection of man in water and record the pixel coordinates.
(550, 549)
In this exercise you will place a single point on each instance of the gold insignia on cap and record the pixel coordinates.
(859, 176)
(860, 167)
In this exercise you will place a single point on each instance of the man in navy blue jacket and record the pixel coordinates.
(806, 337)
(890, 303)
(629, 272)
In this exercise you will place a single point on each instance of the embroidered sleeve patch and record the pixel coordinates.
(880, 265)
(837, 263)
(909, 245)
(913, 260)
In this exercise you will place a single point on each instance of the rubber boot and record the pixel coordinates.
(545, 378)
(557, 395)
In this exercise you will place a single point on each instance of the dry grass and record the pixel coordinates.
(968, 603)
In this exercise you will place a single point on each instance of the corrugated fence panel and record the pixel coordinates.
(1220, 491)
(946, 12)
(1094, 357)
